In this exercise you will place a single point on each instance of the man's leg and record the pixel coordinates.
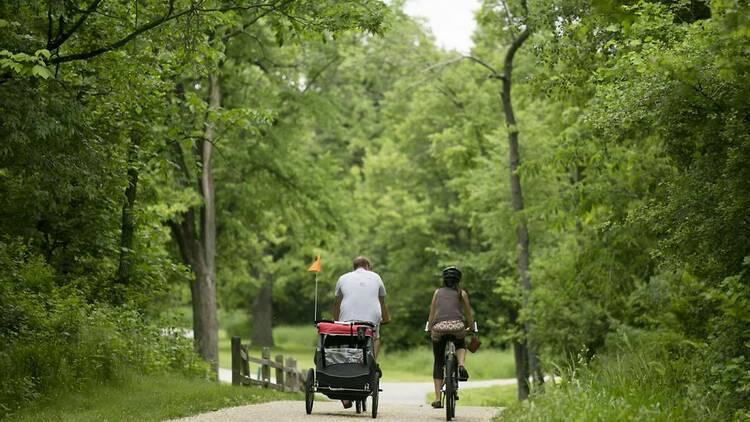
(376, 342)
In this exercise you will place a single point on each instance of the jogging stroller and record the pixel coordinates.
(344, 365)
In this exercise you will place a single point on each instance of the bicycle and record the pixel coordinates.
(450, 375)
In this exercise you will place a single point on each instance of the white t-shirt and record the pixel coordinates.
(360, 291)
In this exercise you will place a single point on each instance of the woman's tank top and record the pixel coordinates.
(448, 305)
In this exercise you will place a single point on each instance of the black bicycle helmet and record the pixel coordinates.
(451, 275)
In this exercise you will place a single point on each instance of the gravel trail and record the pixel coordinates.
(294, 411)
(399, 401)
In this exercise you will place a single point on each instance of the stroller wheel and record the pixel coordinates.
(359, 406)
(309, 390)
(375, 385)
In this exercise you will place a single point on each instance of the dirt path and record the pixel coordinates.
(399, 401)
(404, 392)
(294, 411)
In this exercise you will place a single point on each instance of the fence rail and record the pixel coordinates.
(287, 376)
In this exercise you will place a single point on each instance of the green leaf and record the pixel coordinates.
(43, 52)
(41, 71)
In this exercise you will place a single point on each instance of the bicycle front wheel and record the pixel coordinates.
(450, 388)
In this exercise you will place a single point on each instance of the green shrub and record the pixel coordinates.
(726, 359)
(54, 340)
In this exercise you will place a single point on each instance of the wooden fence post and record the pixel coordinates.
(292, 380)
(245, 363)
(265, 368)
(236, 361)
(280, 371)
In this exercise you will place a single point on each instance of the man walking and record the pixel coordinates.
(360, 296)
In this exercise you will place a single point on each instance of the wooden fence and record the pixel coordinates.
(288, 377)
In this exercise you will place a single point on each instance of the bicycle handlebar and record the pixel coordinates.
(474, 327)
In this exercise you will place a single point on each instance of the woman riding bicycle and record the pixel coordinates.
(446, 320)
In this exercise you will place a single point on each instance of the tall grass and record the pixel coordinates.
(145, 398)
(653, 381)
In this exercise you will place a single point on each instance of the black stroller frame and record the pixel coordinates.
(345, 368)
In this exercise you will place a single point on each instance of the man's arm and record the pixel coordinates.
(385, 315)
(337, 308)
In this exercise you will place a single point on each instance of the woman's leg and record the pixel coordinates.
(438, 352)
(461, 356)
(438, 387)
(463, 375)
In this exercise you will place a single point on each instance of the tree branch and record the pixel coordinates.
(495, 74)
(231, 8)
(317, 74)
(49, 23)
(451, 94)
(272, 8)
(510, 54)
(170, 15)
(184, 234)
(65, 35)
(509, 19)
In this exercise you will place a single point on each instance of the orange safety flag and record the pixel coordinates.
(315, 267)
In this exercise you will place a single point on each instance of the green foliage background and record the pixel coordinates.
(346, 131)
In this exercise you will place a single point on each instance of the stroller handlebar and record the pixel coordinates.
(367, 323)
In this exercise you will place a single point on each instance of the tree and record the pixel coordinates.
(197, 241)
(526, 352)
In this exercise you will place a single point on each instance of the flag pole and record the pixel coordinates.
(315, 267)
(315, 318)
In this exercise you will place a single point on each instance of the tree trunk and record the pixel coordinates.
(198, 250)
(262, 313)
(522, 232)
(521, 357)
(127, 232)
(522, 377)
(205, 320)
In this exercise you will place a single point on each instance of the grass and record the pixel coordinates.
(495, 396)
(416, 364)
(298, 342)
(635, 386)
(146, 398)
